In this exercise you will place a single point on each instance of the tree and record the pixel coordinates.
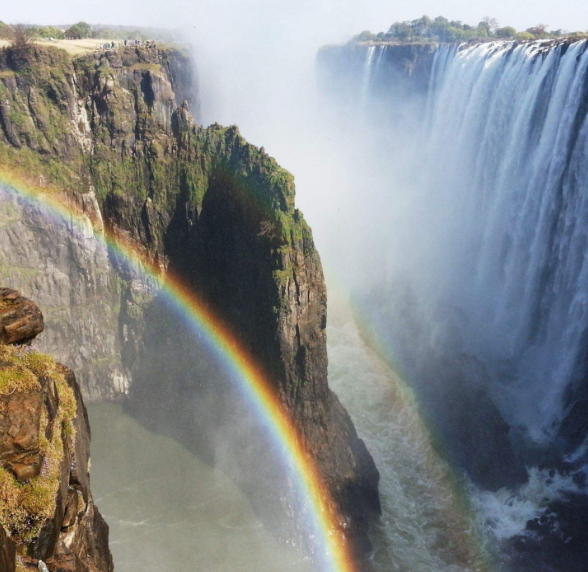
(366, 36)
(482, 31)
(422, 26)
(506, 32)
(50, 32)
(79, 31)
(524, 36)
(21, 36)
(401, 30)
(539, 31)
(491, 24)
(4, 31)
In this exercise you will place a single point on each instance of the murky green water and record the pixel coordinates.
(168, 511)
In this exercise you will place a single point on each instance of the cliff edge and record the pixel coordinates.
(46, 507)
(114, 132)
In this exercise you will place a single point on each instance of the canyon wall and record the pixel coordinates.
(348, 69)
(114, 133)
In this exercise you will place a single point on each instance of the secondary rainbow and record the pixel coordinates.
(333, 551)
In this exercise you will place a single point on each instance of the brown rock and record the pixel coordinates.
(75, 537)
(20, 318)
(20, 415)
(7, 553)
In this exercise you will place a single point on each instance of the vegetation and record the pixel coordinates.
(83, 30)
(21, 36)
(79, 31)
(441, 29)
(26, 506)
(4, 30)
(47, 32)
(134, 33)
(160, 172)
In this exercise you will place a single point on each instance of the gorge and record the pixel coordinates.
(443, 402)
(112, 137)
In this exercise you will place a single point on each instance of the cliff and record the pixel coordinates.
(46, 509)
(350, 70)
(114, 132)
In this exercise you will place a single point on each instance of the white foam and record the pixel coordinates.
(506, 512)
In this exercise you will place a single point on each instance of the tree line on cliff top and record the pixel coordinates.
(441, 29)
(83, 30)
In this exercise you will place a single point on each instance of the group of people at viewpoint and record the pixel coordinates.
(112, 45)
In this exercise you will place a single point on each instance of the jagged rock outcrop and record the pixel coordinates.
(199, 203)
(46, 507)
(20, 319)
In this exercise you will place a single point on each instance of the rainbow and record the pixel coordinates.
(333, 552)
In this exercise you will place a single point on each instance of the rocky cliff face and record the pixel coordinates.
(349, 71)
(67, 270)
(47, 126)
(114, 132)
(46, 510)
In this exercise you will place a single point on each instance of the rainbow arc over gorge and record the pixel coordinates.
(333, 552)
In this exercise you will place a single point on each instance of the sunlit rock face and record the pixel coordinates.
(47, 510)
(201, 204)
(67, 270)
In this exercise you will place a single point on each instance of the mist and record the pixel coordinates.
(387, 176)
(455, 327)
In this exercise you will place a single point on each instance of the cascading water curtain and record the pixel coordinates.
(507, 156)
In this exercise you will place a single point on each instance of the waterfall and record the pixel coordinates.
(508, 145)
(485, 310)
(367, 76)
(473, 284)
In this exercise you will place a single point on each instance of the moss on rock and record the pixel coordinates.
(26, 506)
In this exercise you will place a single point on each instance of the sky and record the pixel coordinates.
(337, 18)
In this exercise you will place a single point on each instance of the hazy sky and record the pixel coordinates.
(337, 17)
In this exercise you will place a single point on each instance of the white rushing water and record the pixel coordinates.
(496, 221)
(507, 144)
(425, 526)
(484, 267)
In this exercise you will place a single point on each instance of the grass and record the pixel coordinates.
(82, 47)
(72, 47)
